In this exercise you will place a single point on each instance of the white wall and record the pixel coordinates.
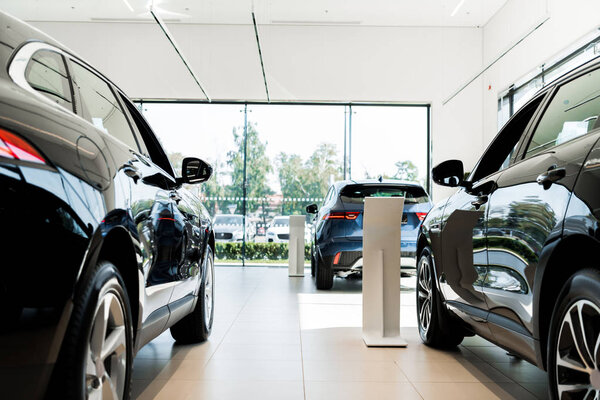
(568, 21)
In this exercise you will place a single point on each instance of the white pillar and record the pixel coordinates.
(382, 221)
(296, 246)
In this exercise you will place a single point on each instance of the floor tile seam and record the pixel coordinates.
(409, 381)
(513, 381)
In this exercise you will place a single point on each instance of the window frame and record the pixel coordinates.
(17, 66)
(147, 133)
(72, 59)
(542, 97)
(553, 90)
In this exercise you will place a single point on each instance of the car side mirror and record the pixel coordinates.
(195, 170)
(449, 173)
(312, 209)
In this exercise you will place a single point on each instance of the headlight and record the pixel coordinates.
(270, 233)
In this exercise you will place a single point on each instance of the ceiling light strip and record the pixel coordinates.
(262, 65)
(463, 87)
(162, 25)
(458, 6)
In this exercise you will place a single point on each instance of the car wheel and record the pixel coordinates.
(436, 327)
(97, 353)
(312, 262)
(574, 350)
(324, 279)
(196, 326)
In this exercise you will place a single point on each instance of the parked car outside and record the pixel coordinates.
(230, 228)
(103, 248)
(512, 256)
(338, 241)
(279, 230)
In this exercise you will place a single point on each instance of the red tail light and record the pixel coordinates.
(12, 146)
(334, 215)
(421, 216)
(336, 259)
(351, 215)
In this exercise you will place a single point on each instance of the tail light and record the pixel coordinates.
(12, 146)
(421, 216)
(336, 259)
(351, 215)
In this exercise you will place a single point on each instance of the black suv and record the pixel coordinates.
(514, 255)
(102, 247)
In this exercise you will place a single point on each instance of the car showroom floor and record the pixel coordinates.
(276, 337)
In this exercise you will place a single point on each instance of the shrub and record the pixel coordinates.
(255, 251)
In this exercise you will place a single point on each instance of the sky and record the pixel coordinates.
(381, 135)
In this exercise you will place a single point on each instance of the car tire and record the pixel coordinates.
(324, 278)
(573, 350)
(196, 326)
(436, 327)
(101, 322)
(312, 262)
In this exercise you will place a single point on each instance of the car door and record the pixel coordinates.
(527, 209)
(464, 245)
(190, 221)
(147, 186)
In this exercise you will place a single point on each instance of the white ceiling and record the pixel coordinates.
(471, 13)
(313, 50)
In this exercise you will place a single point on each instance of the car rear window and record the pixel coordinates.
(356, 193)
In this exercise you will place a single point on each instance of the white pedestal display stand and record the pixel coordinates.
(381, 271)
(296, 246)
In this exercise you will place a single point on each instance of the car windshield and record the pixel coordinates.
(228, 220)
(281, 221)
(356, 193)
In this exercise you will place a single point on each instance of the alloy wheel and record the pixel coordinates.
(106, 358)
(208, 292)
(424, 287)
(578, 353)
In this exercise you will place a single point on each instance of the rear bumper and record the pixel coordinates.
(350, 254)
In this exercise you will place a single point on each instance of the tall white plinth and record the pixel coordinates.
(382, 221)
(296, 246)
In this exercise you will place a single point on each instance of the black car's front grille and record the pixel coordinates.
(283, 236)
(223, 235)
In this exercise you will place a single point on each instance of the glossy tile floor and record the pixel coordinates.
(276, 337)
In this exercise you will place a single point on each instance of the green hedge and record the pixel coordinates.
(255, 251)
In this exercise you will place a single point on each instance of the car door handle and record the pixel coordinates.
(131, 171)
(479, 201)
(553, 174)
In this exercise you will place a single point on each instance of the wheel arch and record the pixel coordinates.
(576, 253)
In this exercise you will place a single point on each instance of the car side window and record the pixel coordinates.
(100, 106)
(500, 153)
(155, 150)
(46, 72)
(328, 196)
(573, 112)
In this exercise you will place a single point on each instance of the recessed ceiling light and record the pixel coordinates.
(458, 6)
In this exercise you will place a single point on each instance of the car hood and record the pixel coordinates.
(227, 228)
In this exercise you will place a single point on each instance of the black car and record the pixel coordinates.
(338, 238)
(513, 256)
(102, 246)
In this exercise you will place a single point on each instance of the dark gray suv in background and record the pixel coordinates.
(102, 246)
(514, 255)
